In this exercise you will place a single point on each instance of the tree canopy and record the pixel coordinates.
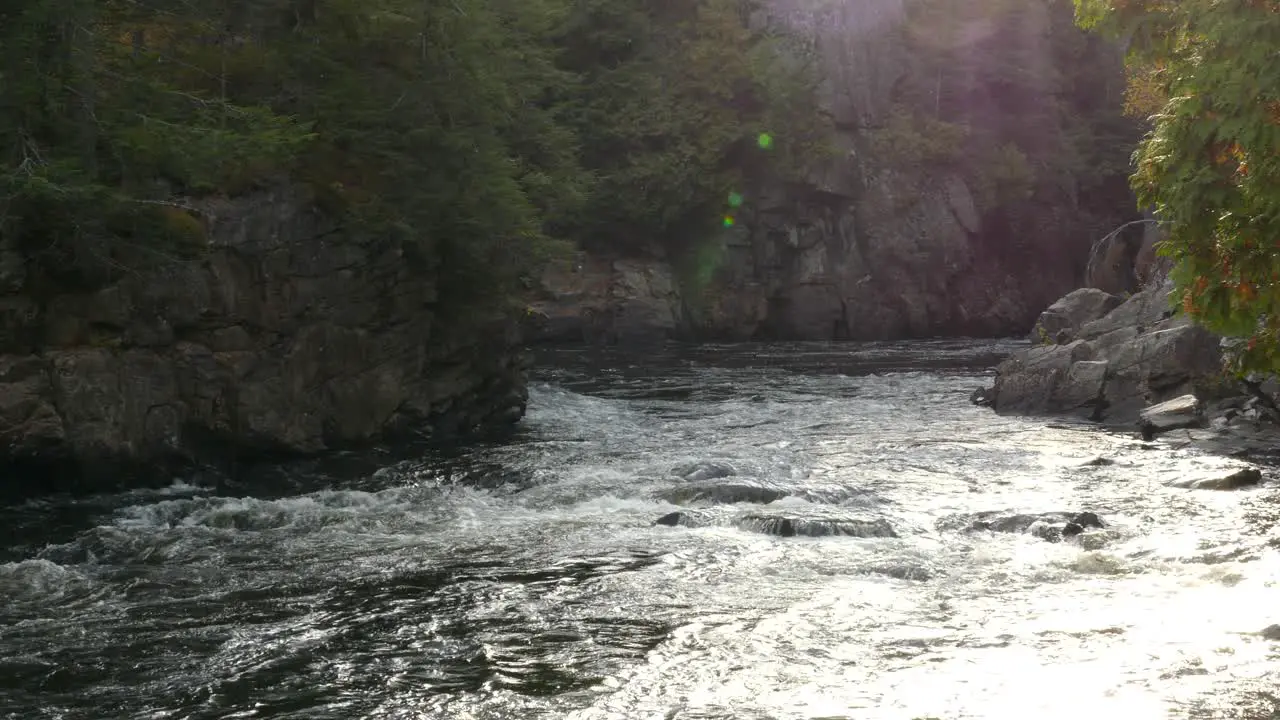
(1209, 74)
(484, 133)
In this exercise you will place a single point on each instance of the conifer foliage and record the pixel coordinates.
(483, 133)
(1210, 165)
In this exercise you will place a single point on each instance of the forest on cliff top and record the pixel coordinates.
(486, 134)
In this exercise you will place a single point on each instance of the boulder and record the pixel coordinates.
(1181, 412)
(1052, 527)
(1046, 379)
(1115, 365)
(746, 491)
(705, 470)
(1062, 320)
(1244, 477)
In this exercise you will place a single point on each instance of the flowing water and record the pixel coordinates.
(827, 564)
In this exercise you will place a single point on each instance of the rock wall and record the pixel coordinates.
(287, 336)
(872, 245)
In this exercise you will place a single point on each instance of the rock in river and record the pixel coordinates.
(727, 493)
(708, 470)
(783, 524)
(1244, 477)
(1181, 412)
(1053, 526)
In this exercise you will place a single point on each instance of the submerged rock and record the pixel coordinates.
(1244, 477)
(683, 518)
(791, 526)
(706, 470)
(1099, 461)
(783, 525)
(1053, 526)
(727, 493)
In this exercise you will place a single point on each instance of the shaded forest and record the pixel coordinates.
(483, 135)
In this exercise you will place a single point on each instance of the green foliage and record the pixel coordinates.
(1007, 177)
(1010, 95)
(1210, 165)
(914, 140)
(483, 135)
(99, 141)
(671, 102)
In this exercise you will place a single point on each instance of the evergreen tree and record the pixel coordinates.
(673, 100)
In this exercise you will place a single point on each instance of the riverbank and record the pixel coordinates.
(287, 336)
(1132, 364)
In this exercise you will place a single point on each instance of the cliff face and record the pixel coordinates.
(286, 336)
(955, 201)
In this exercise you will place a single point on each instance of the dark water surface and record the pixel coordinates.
(528, 580)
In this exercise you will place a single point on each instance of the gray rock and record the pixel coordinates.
(1181, 412)
(1052, 527)
(1112, 260)
(793, 526)
(1062, 321)
(745, 491)
(1098, 462)
(1245, 477)
(708, 470)
(817, 524)
(633, 301)
(1045, 379)
(864, 246)
(1137, 356)
(285, 337)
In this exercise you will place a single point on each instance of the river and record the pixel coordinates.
(826, 565)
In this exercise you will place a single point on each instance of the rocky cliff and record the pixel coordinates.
(286, 335)
(954, 201)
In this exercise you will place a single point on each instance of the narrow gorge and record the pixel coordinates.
(633, 359)
(978, 153)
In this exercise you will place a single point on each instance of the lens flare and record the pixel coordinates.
(765, 141)
(735, 199)
(728, 221)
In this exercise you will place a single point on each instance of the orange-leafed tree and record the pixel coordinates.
(1209, 71)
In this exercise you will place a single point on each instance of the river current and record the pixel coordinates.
(827, 564)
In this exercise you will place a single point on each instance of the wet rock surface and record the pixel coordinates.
(728, 493)
(1244, 477)
(820, 523)
(1053, 526)
(1064, 318)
